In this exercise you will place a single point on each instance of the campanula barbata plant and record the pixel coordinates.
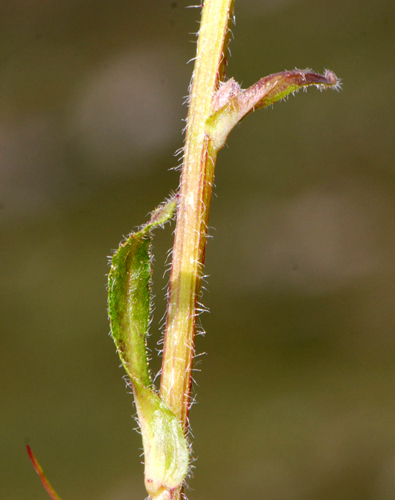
(216, 105)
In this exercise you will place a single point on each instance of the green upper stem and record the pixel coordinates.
(193, 210)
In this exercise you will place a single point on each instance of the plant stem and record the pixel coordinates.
(193, 211)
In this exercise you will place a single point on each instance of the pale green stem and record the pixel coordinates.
(193, 211)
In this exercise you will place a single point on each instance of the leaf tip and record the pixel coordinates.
(332, 79)
(37, 467)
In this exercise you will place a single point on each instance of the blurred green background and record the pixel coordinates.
(296, 397)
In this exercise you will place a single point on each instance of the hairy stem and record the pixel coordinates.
(193, 211)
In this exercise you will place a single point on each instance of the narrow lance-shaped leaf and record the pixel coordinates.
(37, 467)
(129, 300)
(129, 295)
(231, 104)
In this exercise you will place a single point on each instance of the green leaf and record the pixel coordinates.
(129, 300)
(231, 104)
(129, 295)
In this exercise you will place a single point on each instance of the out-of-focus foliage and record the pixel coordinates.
(296, 395)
